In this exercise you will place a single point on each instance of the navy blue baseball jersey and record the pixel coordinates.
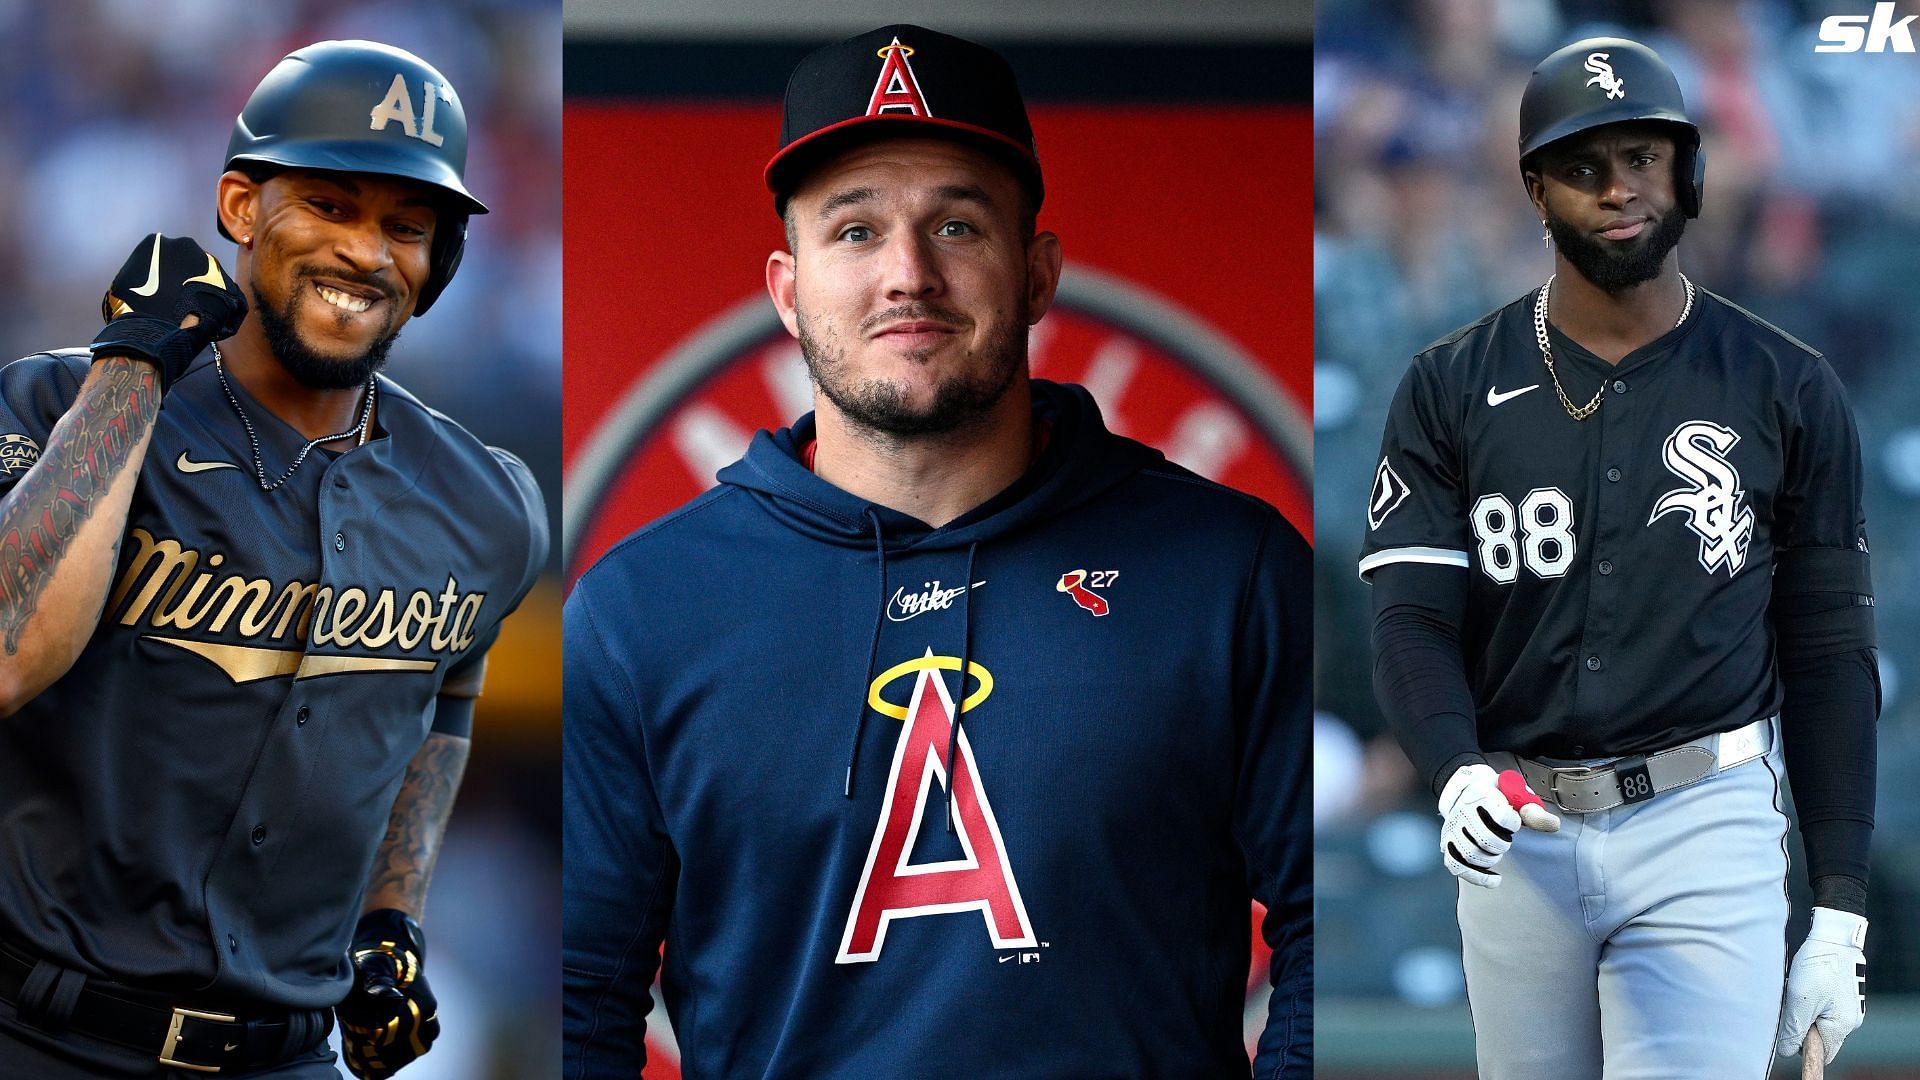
(1620, 567)
(197, 802)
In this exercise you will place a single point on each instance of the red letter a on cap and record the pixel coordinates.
(890, 888)
(897, 90)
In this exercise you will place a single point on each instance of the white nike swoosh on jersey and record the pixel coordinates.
(186, 466)
(1494, 397)
(153, 273)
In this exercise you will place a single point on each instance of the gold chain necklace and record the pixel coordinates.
(1546, 349)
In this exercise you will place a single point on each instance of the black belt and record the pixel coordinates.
(198, 1040)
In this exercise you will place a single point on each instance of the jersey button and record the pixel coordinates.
(301, 716)
(1605, 568)
(1593, 663)
(339, 541)
(1613, 475)
(259, 835)
(1619, 386)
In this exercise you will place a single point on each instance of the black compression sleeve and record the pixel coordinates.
(1841, 893)
(1419, 676)
(1828, 724)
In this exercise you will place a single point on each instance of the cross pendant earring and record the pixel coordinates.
(1546, 235)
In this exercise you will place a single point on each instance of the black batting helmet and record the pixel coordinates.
(360, 106)
(1608, 80)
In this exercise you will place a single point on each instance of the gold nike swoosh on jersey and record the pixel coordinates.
(153, 273)
(248, 663)
(190, 467)
(213, 276)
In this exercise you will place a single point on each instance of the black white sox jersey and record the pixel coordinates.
(1620, 566)
(196, 803)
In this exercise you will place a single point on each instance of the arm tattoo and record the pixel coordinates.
(89, 449)
(419, 820)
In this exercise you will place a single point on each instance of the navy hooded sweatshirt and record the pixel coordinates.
(760, 693)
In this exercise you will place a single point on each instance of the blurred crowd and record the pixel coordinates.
(115, 125)
(1811, 220)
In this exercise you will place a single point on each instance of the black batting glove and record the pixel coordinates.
(390, 1017)
(161, 283)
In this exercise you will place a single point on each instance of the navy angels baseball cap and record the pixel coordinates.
(901, 80)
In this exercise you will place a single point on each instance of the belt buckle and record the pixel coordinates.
(1572, 774)
(180, 1017)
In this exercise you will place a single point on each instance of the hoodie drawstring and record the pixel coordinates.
(873, 653)
(966, 659)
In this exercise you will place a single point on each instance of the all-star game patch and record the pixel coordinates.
(17, 455)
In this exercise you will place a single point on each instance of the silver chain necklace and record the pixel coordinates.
(1546, 348)
(360, 429)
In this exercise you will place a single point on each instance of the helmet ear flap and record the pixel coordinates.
(449, 244)
(1691, 188)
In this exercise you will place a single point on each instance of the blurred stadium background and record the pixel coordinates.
(115, 125)
(1812, 220)
(1175, 140)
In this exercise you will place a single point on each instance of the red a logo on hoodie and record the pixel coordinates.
(890, 888)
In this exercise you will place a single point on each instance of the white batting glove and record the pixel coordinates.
(1480, 822)
(1826, 985)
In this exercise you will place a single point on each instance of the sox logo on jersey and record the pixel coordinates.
(1715, 502)
(891, 887)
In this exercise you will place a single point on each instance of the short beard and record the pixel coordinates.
(1613, 267)
(309, 368)
(881, 407)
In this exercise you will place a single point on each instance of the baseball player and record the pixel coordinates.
(951, 734)
(250, 585)
(1620, 583)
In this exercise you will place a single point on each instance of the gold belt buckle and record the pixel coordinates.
(173, 1038)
